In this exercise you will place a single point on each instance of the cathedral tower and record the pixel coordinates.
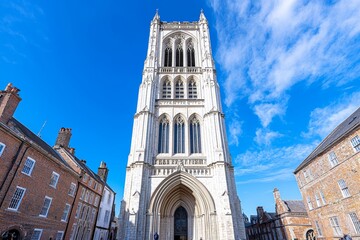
(179, 177)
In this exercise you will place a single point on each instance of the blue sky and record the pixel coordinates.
(288, 70)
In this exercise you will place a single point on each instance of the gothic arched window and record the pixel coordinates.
(190, 56)
(163, 146)
(168, 57)
(179, 135)
(195, 136)
(166, 89)
(192, 90)
(179, 89)
(179, 56)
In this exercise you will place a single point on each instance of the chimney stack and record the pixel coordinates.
(260, 211)
(9, 100)
(63, 138)
(276, 194)
(103, 171)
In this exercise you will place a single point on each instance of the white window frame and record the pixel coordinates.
(318, 229)
(307, 175)
(82, 196)
(40, 233)
(91, 198)
(73, 231)
(317, 199)
(308, 199)
(322, 197)
(355, 142)
(48, 208)
(31, 168)
(19, 200)
(85, 178)
(93, 212)
(106, 217)
(334, 223)
(54, 184)
(61, 237)
(333, 159)
(87, 194)
(66, 212)
(344, 188)
(109, 198)
(72, 189)
(355, 221)
(96, 202)
(90, 183)
(2, 145)
(78, 210)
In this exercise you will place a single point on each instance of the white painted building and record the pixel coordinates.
(103, 221)
(179, 178)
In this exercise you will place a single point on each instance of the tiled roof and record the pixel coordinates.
(340, 131)
(295, 206)
(87, 169)
(20, 128)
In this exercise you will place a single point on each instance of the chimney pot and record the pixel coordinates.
(63, 138)
(8, 102)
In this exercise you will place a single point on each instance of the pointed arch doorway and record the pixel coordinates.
(181, 208)
(180, 224)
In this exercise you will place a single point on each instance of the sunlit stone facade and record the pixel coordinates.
(179, 178)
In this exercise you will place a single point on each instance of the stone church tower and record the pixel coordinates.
(179, 177)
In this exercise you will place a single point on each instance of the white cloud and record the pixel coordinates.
(271, 176)
(267, 111)
(235, 131)
(268, 46)
(324, 120)
(265, 136)
(271, 164)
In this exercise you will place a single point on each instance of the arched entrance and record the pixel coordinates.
(180, 224)
(310, 235)
(12, 234)
(181, 208)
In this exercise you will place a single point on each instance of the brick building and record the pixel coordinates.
(289, 221)
(37, 187)
(104, 228)
(45, 192)
(84, 214)
(329, 182)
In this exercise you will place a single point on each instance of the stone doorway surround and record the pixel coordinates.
(181, 189)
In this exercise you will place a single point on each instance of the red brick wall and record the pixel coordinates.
(37, 187)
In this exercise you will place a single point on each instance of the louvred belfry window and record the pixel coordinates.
(179, 89)
(192, 89)
(166, 89)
